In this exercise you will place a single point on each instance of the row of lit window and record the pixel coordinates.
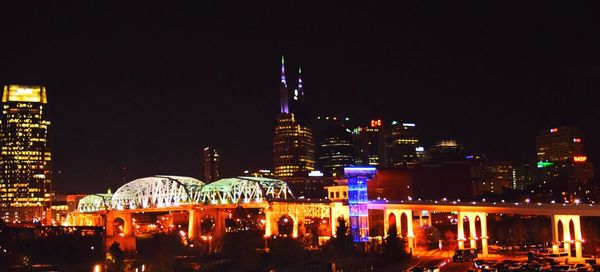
(60, 207)
(29, 203)
(22, 160)
(405, 141)
(25, 167)
(19, 187)
(20, 119)
(24, 152)
(333, 195)
(13, 170)
(335, 144)
(31, 158)
(10, 141)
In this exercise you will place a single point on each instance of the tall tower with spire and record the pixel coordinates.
(293, 146)
(283, 89)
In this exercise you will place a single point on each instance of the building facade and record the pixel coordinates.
(212, 164)
(310, 187)
(370, 144)
(25, 161)
(403, 145)
(564, 147)
(387, 144)
(335, 148)
(498, 177)
(446, 150)
(293, 145)
(559, 144)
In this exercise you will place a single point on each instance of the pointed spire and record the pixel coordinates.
(283, 71)
(283, 92)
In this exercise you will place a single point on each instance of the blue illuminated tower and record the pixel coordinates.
(357, 201)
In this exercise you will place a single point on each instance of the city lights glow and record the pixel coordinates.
(579, 158)
(376, 123)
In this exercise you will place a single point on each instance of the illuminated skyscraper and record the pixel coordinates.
(336, 150)
(211, 164)
(293, 146)
(370, 144)
(403, 144)
(563, 148)
(559, 144)
(25, 161)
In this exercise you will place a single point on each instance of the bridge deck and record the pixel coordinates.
(491, 207)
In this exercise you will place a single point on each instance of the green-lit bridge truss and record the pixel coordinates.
(174, 191)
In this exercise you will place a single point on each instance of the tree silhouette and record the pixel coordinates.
(394, 247)
(341, 244)
(114, 258)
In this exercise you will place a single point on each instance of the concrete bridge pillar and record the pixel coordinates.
(473, 233)
(386, 223)
(555, 239)
(472, 217)
(410, 232)
(461, 232)
(484, 236)
(578, 238)
(296, 222)
(193, 224)
(565, 221)
(268, 215)
(567, 238)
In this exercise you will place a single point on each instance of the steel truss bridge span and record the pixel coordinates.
(159, 192)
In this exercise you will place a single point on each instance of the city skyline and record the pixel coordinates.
(153, 114)
(258, 136)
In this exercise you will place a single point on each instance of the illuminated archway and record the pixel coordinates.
(571, 230)
(285, 225)
(466, 226)
(560, 229)
(478, 231)
(392, 224)
(404, 225)
(118, 225)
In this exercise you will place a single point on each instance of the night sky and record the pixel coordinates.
(137, 89)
